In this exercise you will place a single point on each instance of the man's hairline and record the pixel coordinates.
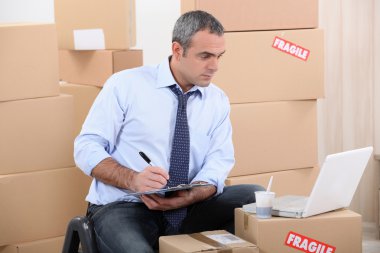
(191, 38)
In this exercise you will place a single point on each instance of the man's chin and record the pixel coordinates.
(203, 84)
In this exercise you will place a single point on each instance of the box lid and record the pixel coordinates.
(210, 241)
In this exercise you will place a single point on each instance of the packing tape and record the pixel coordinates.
(222, 248)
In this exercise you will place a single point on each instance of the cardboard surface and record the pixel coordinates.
(252, 70)
(205, 242)
(94, 67)
(116, 21)
(51, 245)
(341, 229)
(38, 205)
(250, 15)
(36, 134)
(274, 136)
(28, 62)
(84, 97)
(289, 182)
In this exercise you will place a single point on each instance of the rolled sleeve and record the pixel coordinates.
(88, 153)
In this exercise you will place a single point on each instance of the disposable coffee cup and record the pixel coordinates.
(264, 204)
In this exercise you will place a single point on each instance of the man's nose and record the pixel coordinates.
(213, 64)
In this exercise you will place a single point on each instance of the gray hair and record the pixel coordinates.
(192, 22)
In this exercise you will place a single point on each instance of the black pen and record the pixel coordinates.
(147, 159)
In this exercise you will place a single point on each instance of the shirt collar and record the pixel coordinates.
(165, 77)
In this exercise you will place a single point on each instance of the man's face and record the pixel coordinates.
(200, 63)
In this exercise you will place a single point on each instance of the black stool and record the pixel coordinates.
(80, 230)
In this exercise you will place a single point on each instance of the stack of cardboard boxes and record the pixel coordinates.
(273, 73)
(94, 39)
(40, 189)
(273, 78)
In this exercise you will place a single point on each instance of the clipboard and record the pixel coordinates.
(170, 189)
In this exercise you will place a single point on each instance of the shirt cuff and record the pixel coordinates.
(94, 160)
(219, 184)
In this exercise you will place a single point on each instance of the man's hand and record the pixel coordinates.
(178, 199)
(151, 178)
(111, 172)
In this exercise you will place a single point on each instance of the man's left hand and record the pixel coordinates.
(178, 199)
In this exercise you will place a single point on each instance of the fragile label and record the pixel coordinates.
(307, 244)
(291, 48)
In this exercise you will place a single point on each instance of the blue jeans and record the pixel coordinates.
(122, 227)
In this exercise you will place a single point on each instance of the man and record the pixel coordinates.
(180, 120)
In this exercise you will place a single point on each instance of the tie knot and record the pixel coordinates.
(179, 93)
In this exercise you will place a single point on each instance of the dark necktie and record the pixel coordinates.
(180, 156)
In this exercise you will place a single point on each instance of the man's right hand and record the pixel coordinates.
(151, 178)
(111, 172)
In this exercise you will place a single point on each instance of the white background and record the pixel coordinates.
(154, 22)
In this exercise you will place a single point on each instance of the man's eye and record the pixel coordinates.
(205, 56)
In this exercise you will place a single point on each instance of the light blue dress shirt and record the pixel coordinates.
(136, 111)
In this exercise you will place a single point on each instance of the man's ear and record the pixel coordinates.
(177, 50)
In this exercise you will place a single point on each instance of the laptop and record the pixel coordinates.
(334, 188)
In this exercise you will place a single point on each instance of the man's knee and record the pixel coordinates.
(122, 246)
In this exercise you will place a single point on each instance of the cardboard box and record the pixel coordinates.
(289, 182)
(36, 134)
(210, 241)
(38, 205)
(340, 229)
(248, 15)
(84, 97)
(28, 62)
(274, 136)
(260, 66)
(96, 24)
(95, 66)
(51, 245)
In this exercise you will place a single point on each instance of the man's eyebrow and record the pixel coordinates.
(209, 53)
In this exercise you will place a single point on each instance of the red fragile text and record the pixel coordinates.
(306, 244)
(291, 48)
